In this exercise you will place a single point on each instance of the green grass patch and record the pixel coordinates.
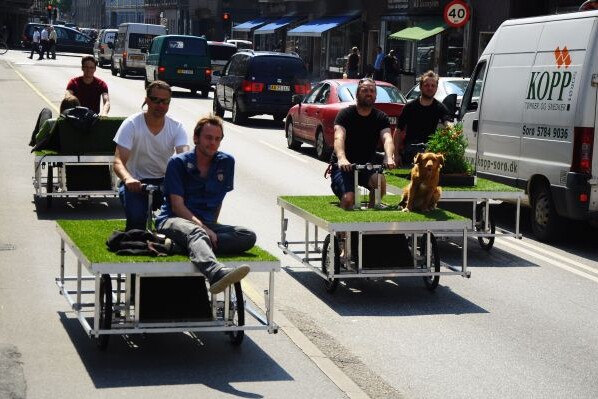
(328, 209)
(90, 237)
(400, 178)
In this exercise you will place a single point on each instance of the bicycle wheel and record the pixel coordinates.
(3, 48)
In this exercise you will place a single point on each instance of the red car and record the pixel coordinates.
(312, 120)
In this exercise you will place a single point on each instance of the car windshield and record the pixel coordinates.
(109, 37)
(182, 46)
(384, 94)
(276, 66)
(455, 87)
(221, 52)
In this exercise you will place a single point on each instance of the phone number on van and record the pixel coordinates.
(559, 133)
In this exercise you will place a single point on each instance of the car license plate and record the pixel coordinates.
(137, 57)
(185, 71)
(393, 120)
(280, 88)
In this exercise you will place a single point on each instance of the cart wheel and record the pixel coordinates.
(331, 283)
(238, 312)
(431, 281)
(480, 225)
(105, 310)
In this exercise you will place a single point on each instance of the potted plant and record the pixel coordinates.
(450, 142)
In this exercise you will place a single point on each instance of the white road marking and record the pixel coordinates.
(550, 260)
(283, 152)
(562, 258)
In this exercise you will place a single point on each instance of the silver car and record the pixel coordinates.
(446, 86)
(101, 52)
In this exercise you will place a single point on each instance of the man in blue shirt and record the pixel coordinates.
(195, 185)
(378, 73)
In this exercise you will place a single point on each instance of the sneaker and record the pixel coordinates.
(225, 277)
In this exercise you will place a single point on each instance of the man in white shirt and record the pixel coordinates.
(144, 143)
(35, 42)
(45, 38)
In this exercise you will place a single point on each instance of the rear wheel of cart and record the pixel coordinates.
(480, 225)
(431, 282)
(105, 310)
(237, 310)
(331, 283)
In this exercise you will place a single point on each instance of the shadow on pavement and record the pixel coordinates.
(72, 208)
(174, 359)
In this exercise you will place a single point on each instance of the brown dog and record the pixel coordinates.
(423, 192)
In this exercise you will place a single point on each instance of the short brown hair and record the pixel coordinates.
(88, 58)
(426, 75)
(209, 119)
(69, 101)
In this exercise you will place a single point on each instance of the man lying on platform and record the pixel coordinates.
(195, 185)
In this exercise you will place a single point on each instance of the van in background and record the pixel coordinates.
(534, 123)
(220, 53)
(181, 61)
(131, 45)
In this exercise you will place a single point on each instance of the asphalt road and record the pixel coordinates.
(523, 325)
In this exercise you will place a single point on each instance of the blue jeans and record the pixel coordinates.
(194, 239)
(135, 204)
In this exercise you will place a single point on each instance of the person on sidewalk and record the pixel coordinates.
(195, 185)
(378, 64)
(45, 42)
(53, 38)
(353, 64)
(90, 89)
(35, 43)
(144, 143)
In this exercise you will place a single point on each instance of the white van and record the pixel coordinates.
(220, 53)
(534, 123)
(131, 45)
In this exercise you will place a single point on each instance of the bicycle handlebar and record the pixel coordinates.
(149, 188)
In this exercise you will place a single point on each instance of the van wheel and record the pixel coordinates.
(544, 216)
(322, 150)
(146, 83)
(205, 93)
(113, 69)
(278, 117)
(216, 108)
(238, 116)
(122, 71)
(291, 142)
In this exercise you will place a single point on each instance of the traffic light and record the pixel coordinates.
(225, 17)
(49, 8)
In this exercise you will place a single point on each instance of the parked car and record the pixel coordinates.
(260, 82)
(68, 39)
(446, 86)
(220, 53)
(91, 32)
(131, 45)
(101, 50)
(181, 61)
(311, 121)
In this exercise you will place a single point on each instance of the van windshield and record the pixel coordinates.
(186, 47)
(222, 53)
(278, 67)
(140, 40)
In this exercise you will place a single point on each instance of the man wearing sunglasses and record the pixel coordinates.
(144, 143)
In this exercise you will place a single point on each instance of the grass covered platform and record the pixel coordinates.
(327, 208)
(400, 178)
(90, 237)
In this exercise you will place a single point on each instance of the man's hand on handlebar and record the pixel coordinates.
(389, 163)
(133, 185)
(345, 165)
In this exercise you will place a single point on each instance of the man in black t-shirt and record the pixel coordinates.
(357, 131)
(419, 118)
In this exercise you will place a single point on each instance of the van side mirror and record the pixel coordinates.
(297, 99)
(473, 106)
(450, 102)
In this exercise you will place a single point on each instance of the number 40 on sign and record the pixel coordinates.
(456, 13)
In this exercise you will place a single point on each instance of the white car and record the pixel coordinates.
(446, 86)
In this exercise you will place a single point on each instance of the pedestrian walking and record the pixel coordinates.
(378, 64)
(353, 64)
(45, 42)
(391, 68)
(53, 38)
(35, 43)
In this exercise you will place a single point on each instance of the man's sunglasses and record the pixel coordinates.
(157, 100)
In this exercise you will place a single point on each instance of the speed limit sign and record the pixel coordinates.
(456, 13)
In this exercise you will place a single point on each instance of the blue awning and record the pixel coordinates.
(272, 27)
(250, 25)
(316, 27)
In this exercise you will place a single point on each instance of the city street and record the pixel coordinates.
(523, 326)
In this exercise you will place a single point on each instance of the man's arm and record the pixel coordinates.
(121, 157)
(106, 108)
(181, 148)
(398, 143)
(389, 148)
(180, 209)
(339, 148)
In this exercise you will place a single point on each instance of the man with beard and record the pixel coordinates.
(144, 143)
(357, 131)
(195, 185)
(419, 119)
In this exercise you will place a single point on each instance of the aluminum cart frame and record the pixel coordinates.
(116, 311)
(426, 261)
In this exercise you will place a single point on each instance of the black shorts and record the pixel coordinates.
(344, 182)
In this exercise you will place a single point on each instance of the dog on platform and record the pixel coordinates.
(422, 193)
